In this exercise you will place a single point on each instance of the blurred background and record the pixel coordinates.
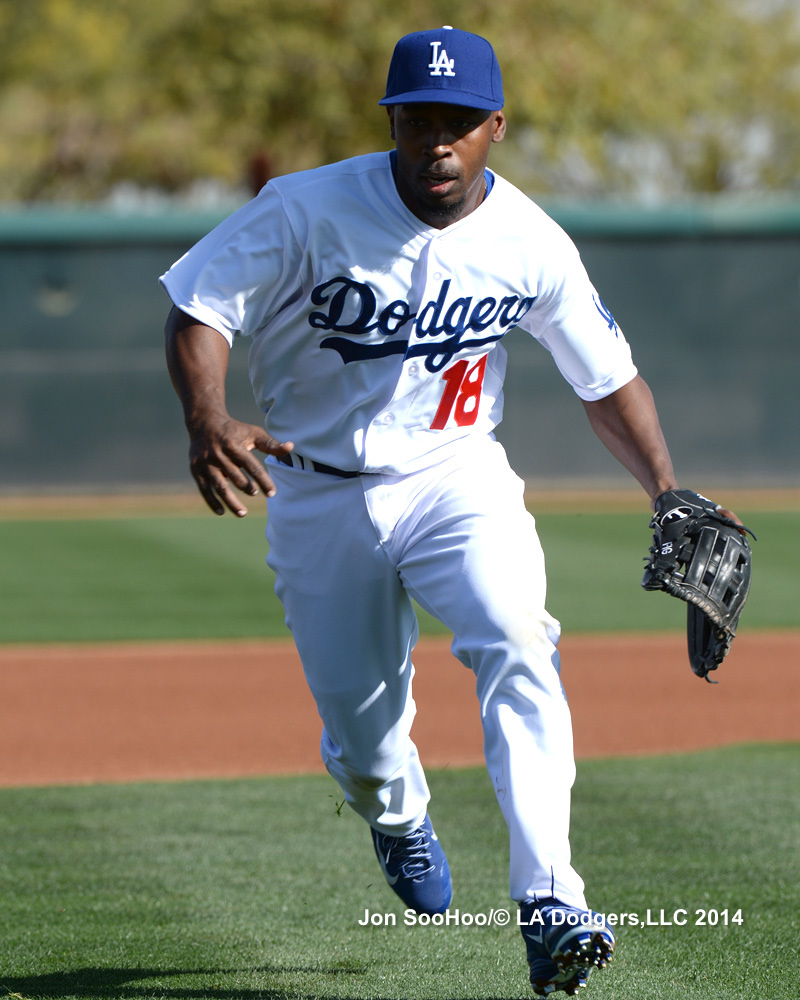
(663, 137)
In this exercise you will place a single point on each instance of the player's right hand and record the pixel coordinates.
(221, 456)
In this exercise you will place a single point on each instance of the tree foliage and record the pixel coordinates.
(601, 95)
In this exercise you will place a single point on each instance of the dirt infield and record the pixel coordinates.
(585, 497)
(100, 713)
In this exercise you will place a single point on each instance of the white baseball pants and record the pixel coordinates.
(348, 554)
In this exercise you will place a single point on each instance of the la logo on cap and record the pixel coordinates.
(440, 65)
(423, 70)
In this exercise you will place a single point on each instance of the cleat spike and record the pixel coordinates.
(562, 949)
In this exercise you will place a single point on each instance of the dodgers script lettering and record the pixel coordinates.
(352, 307)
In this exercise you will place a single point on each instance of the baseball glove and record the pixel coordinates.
(703, 558)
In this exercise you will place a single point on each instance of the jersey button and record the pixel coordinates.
(413, 369)
(388, 418)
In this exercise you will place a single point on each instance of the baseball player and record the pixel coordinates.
(377, 293)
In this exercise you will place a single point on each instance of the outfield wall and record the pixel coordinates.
(708, 295)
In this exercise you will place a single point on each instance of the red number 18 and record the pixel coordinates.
(462, 394)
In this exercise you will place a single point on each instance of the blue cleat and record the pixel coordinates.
(565, 944)
(416, 868)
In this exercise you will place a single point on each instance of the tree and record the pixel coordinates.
(602, 96)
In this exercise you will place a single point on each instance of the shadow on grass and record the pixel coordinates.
(123, 983)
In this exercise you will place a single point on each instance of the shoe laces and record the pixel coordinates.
(413, 853)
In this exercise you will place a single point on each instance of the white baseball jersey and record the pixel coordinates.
(376, 340)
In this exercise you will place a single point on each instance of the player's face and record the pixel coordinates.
(442, 151)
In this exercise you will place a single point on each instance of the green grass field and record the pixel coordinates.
(252, 890)
(199, 576)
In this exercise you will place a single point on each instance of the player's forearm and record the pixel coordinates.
(197, 360)
(627, 424)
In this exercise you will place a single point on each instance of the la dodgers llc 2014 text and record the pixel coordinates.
(501, 917)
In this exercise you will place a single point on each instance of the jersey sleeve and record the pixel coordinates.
(236, 277)
(570, 319)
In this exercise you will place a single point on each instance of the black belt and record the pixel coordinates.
(306, 463)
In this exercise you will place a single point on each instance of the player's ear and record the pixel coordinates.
(390, 113)
(498, 127)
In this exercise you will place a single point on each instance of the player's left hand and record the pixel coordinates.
(732, 517)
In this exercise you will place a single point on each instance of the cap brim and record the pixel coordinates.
(443, 96)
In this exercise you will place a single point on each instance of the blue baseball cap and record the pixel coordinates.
(444, 66)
